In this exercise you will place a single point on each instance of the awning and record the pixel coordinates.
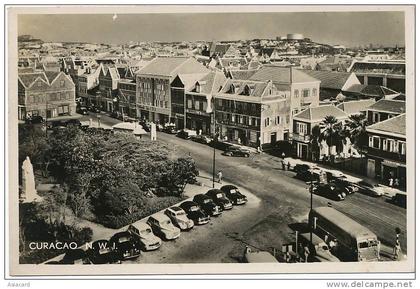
(392, 164)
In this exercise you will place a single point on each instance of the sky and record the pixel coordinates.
(346, 28)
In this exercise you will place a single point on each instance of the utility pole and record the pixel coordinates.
(46, 115)
(214, 138)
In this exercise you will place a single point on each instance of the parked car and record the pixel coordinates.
(126, 245)
(207, 204)
(102, 253)
(234, 195)
(148, 240)
(179, 218)
(163, 227)
(319, 251)
(75, 256)
(57, 124)
(186, 133)
(329, 191)
(369, 189)
(234, 151)
(344, 185)
(35, 119)
(311, 174)
(93, 108)
(400, 199)
(201, 139)
(171, 129)
(82, 110)
(73, 122)
(195, 213)
(301, 168)
(219, 197)
(258, 257)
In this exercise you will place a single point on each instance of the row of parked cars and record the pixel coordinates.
(167, 225)
(335, 185)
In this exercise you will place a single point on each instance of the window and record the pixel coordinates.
(302, 128)
(39, 83)
(376, 117)
(63, 110)
(197, 105)
(241, 119)
(296, 93)
(374, 142)
(62, 83)
(390, 145)
(401, 148)
(189, 103)
(314, 92)
(267, 122)
(306, 93)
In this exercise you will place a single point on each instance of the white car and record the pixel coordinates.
(179, 218)
(163, 227)
(148, 240)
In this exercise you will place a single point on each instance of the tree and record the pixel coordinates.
(356, 125)
(315, 140)
(329, 132)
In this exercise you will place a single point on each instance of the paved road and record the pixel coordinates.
(284, 200)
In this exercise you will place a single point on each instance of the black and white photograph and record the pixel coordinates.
(144, 137)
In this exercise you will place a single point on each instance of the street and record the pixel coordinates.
(284, 200)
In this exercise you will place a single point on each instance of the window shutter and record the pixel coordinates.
(384, 144)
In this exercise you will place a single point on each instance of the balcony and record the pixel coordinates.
(301, 138)
(386, 154)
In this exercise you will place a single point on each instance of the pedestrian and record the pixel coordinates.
(396, 183)
(307, 252)
(283, 164)
(391, 181)
(326, 239)
(219, 176)
(332, 244)
(288, 166)
(288, 257)
(397, 249)
(282, 155)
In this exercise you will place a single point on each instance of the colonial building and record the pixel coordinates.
(386, 153)
(253, 113)
(305, 121)
(304, 89)
(108, 87)
(384, 109)
(154, 85)
(48, 94)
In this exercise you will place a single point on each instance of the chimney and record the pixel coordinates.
(291, 74)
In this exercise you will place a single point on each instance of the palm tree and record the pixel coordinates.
(356, 125)
(329, 131)
(315, 142)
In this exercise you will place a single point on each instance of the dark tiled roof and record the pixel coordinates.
(281, 75)
(257, 87)
(388, 105)
(329, 79)
(379, 67)
(371, 90)
(318, 113)
(212, 82)
(392, 125)
(28, 78)
(51, 75)
(242, 74)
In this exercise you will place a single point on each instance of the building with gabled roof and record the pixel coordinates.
(356, 106)
(48, 94)
(387, 149)
(108, 87)
(154, 85)
(253, 113)
(384, 109)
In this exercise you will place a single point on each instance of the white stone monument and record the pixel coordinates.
(29, 193)
(153, 131)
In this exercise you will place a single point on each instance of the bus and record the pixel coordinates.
(354, 241)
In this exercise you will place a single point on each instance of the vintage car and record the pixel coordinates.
(234, 151)
(329, 191)
(373, 190)
(234, 195)
(201, 139)
(126, 245)
(101, 252)
(207, 204)
(75, 256)
(163, 227)
(195, 213)
(251, 256)
(148, 240)
(179, 218)
(219, 197)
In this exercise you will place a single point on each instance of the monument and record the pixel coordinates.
(29, 193)
(153, 131)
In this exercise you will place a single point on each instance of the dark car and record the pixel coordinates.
(207, 204)
(236, 152)
(201, 139)
(36, 119)
(76, 256)
(400, 200)
(299, 168)
(146, 125)
(234, 195)
(195, 213)
(307, 175)
(102, 253)
(82, 110)
(126, 245)
(93, 108)
(73, 122)
(219, 197)
(185, 134)
(57, 124)
(329, 191)
(344, 185)
(171, 129)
